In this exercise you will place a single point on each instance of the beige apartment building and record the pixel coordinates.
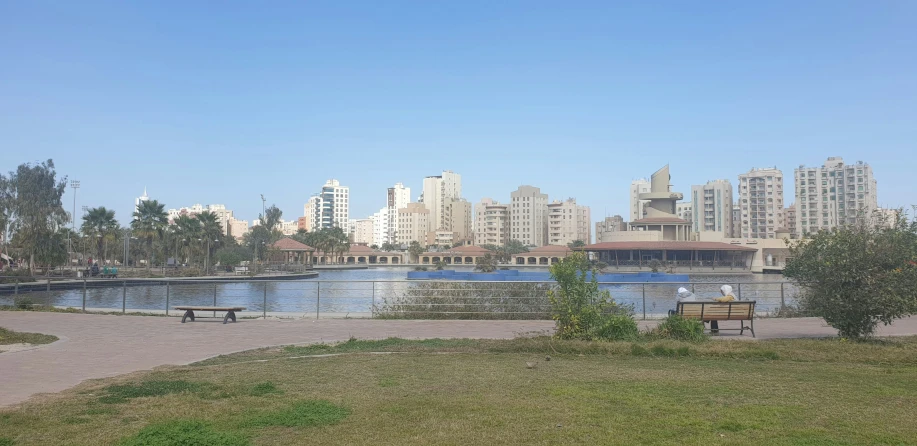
(790, 215)
(457, 218)
(610, 225)
(568, 222)
(834, 195)
(361, 231)
(436, 191)
(712, 207)
(638, 187)
(761, 200)
(529, 216)
(491, 224)
(238, 228)
(413, 221)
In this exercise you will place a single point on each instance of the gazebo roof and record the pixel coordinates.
(288, 244)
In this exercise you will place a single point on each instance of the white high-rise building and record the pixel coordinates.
(712, 209)
(330, 208)
(684, 210)
(761, 200)
(638, 187)
(529, 216)
(436, 190)
(568, 222)
(397, 198)
(137, 201)
(834, 195)
(380, 226)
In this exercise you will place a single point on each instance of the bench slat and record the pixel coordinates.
(717, 311)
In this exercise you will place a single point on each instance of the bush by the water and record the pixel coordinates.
(580, 308)
(23, 303)
(467, 300)
(679, 328)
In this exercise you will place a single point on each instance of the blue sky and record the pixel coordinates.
(219, 102)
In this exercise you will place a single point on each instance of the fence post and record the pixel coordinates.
(48, 293)
(372, 305)
(84, 295)
(124, 297)
(264, 307)
(644, 300)
(692, 288)
(782, 300)
(16, 288)
(739, 297)
(167, 296)
(214, 298)
(318, 297)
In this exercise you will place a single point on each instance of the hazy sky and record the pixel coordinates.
(219, 102)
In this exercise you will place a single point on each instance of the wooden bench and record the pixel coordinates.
(230, 312)
(737, 310)
(241, 270)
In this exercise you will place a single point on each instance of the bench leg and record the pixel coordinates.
(231, 315)
(752, 327)
(188, 314)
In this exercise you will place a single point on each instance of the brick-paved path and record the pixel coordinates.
(98, 346)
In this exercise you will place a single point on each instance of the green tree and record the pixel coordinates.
(388, 247)
(415, 249)
(858, 276)
(374, 247)
(211, 232)
(99, 224)
(31, 208)
(231, 256)
(486, 264)
(576, 244)
(505, 253)
(149, 224)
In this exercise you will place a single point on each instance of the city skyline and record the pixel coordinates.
(577, 100)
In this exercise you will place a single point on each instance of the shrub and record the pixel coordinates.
(858, 276)
(679, 328)
(580, 308)
(618, 327)
(23, 303)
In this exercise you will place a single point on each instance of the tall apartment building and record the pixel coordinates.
(712, 209)
(380, 226)
(638, 187)
(491, 223)
(790, 215)
(397, 198)
(761, 199)
(458, 218)
(138, 200)
(610, 225)
(568, 222)
(529, 216)
(833, 195)
(237, 228)
(330, 208)
(436, 190)
(361, 231)
(412, 223)
(736, 220)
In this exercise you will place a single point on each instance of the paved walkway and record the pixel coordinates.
(99, 346)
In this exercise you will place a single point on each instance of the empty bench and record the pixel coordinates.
(230, 312)
(738, 310)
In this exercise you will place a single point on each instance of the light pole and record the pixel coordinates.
(74, 184)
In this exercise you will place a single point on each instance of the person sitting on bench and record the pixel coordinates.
(727, 296)
(682, 295)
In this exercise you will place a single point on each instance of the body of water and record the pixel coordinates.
(355, 292)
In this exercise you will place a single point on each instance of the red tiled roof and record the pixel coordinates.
(548, 249)
(666, 245)
(288, 244)
(362, 250)
(657, 220)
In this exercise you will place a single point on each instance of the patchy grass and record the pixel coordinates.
(38, 307)
(14, 337)
(815, 391)
(302, 414)
(183, 433)
(121, 393)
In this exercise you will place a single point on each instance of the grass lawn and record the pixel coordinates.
(466, 392)
(14, 337)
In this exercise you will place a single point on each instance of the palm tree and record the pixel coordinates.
(99, 224)
(187, 235)
(212, 232)
(150, 221)
(415, 249)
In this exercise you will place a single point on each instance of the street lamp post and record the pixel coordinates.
(74, 184)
